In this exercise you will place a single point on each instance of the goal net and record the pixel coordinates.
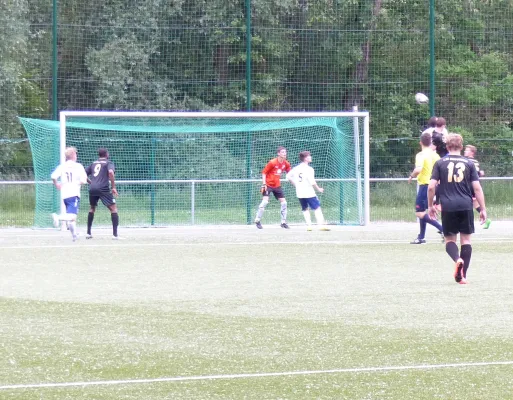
(182, 168)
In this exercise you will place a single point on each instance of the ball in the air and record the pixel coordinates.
(421, 98)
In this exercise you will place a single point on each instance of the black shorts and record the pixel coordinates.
(277, 191)
(104, 195)
(454, 222)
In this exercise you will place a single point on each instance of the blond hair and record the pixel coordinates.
(454, 142)
(69, 152)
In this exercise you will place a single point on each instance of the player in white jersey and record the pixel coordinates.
(68, 177)
(302, 177)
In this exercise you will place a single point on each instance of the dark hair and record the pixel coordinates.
(303, 155)
(425, 139)
(280, 149)
(440, 122)
(102, 152)
(432, 122)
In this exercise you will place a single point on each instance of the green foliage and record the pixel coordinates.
(13, 45)
(305, 55)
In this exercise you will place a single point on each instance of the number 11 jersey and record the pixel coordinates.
(72, 175)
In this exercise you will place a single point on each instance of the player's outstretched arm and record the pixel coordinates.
(414, 173)
(113, 183)
(432, 210)
(57, 184)
(55, 177)
(290, 177)
(317, 187)
(478, 192)
(83, 176)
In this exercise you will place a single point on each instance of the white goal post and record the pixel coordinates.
(360, 130)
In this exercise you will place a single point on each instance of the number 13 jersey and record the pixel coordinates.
(456, 174)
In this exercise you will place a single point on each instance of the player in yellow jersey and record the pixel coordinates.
(424, 161)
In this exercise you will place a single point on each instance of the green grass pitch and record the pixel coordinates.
(236, 313)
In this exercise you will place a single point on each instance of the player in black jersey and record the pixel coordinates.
(102, 186)
(438, 137)
(458, 179)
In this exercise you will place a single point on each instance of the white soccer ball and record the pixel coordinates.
(421, 98)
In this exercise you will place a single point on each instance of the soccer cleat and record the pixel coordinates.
(324, 229)
(442, 236)
(55, 219)
(75, 238)
(284, 225)
(259, 225)
(458, 267)
(418, 241)
(89, 236)
(309, 229)
(487, 223)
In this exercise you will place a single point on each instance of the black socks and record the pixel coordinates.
(452, 249)
(466, 254)
(90, 218)
(115, 222)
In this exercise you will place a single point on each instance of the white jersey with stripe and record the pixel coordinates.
(304, 177)
(71, 175)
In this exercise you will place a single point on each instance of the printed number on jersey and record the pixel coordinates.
(456, 172)
(97, 169)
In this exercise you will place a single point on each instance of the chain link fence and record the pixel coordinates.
(268, 55)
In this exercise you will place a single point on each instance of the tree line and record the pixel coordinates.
(320, 55)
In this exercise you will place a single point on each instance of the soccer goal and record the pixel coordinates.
(183, 168)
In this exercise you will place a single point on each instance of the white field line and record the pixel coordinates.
(130, 244)
(253, 375)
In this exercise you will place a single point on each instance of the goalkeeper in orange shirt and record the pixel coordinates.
(271, 184)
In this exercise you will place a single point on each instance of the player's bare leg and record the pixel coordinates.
(319, 217)
(308, 219)
(70, 220)
(72, 226)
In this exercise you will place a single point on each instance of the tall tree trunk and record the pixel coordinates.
(361, 74)
(222, 53)
(300, 89)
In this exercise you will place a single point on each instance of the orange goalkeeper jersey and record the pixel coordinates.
(273, 171)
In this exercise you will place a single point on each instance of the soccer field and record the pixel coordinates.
(239, 313)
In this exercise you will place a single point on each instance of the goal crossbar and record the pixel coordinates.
(215, 147)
